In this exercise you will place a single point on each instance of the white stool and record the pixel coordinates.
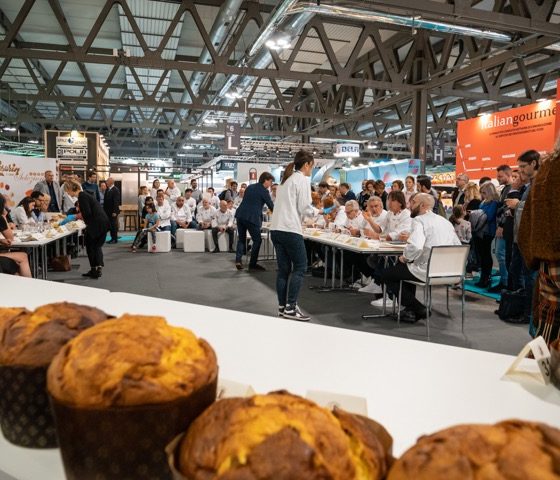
(193, 241)
(163, 242)
(179, 235)
(222, 241)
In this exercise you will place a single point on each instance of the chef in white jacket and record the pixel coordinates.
(428, 230)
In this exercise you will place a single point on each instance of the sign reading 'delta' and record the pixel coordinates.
(350, 150)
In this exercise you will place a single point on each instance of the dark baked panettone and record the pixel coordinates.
(282, 436)
(34, 338)
(510, 450)
(132, 360)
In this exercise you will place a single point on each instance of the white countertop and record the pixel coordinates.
(412, 387)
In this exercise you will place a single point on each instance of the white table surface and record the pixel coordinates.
(412, 387)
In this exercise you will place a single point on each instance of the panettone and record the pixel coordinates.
(282, 436)
(34, 338)
(510, 450)
(132, 360)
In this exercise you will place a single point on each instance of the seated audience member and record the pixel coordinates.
(71, 191)
(461, 226)
(235, 203)
(155, 187)
(315, 218)
(214, 200)
(22, 215)
(10, 262)
(410, 185)
(147, 202)
(172, 191)
(151, 224)
(223, 223)
(346, 193)
(205, 213)
(428, 230)
(353, 217)
(44, 204)
(190, 201)
(379, 188)
(374, 218)
(164, 212)
(397, 186)
(142, 194)
(180, 215)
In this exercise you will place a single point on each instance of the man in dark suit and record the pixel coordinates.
(111, 206)
(458, 196)
(249, 217)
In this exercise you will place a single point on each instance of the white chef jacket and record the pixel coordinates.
(293, 202)
(182, 214)
(164, 212)
(205, 215)
(173, 193)
(396, 224)
(223, 219)
(191, 203)
(354, 222)
(428, 230)
(381, 220)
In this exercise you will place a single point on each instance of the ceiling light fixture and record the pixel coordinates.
(188, 147)
(10, 128)
(33, 141)
(234, 95)
(279, 43)
(196, 136)
(210, 121)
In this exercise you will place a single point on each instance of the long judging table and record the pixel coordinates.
(411, 387)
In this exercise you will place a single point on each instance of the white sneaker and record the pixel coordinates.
(379, 302)
(371, 287)
(356, 285)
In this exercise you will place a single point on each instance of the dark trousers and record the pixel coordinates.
(523, 277)
(255, 231)
(392, 277)
(230, 231)
(291, 258)
(484, 250)
(113, 225)
(94, 250)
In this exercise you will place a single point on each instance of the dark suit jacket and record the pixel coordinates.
(112, 201)
(251, 208)
(460, 194)
(93, 215)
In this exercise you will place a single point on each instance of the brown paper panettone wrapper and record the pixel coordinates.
(26, 417)
(555, 363)
(171, 450)
(127, 443)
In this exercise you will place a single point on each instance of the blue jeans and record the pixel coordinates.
(255, 231)
(501, 257)
(292, 264)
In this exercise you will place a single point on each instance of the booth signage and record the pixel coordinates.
(233, 136)
(438, 151)
(486, 142)
(71, 148)
(225, 165)
(351, 150)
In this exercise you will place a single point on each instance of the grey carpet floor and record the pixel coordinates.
(211, 279)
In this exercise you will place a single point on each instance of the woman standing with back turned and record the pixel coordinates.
(293, 201)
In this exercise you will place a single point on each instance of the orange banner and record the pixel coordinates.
(488, 141)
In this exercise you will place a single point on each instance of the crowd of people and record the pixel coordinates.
(486, 215)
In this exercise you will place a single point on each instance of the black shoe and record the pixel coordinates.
(281, 311)
(497, 288)
(231, 250)
(482, 284)
(112, 241)
(216, 250)
(239, 265)
(294, 313)
(408, 316)
(89, 274)
(257, 268)
(421, 314)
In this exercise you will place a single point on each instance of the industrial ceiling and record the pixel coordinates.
(156, 76)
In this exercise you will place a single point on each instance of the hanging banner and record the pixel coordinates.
(348, 150)
(233, 137)
(18, 176)
(486, 142)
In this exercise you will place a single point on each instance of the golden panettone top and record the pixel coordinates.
(280, 435)
(34, 338)
(131, 360)
(510, 450)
